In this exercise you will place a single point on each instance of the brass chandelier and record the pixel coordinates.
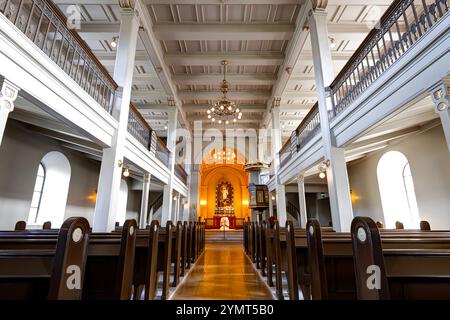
(224, 111)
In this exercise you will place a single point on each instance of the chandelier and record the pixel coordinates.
(224, 110)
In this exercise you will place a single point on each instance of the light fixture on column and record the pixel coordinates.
(174, 198)
(114, 41)
(126, 171)
(332, 42)
(323, 169)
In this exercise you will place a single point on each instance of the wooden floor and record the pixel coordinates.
(223, 273)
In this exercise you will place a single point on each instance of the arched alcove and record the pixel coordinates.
(53, 179)
(397, 193)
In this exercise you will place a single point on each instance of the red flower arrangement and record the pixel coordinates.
(272, 220)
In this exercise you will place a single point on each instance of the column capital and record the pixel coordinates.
(441, 97)
(319, 4)
(171, 103)
(300, 178)
(147, 177)
(8, 94)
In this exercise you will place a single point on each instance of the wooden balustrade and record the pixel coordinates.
(139, 128)
(309, 127)
(162, 152)
(47, 27)
(180, 172)
(403, 24)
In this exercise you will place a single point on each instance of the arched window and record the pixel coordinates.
(50, 191)
(37, 194)
(397, 193)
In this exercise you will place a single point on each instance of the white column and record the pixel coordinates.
(270, 205)
(302, 200)
(112, 159)
(441, 99)
(337, 178)
(276, 146)
(144, 201)
(171, 140)
(8, 95)
(194, 203)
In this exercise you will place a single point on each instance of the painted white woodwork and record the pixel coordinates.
(8, 94)
(49, 87)
(276, 146)
(144, 201)
(441, 99)
(337, 178)
(111, 170)
(171, 140)
(302, 200)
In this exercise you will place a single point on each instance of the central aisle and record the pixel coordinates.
(223, 273)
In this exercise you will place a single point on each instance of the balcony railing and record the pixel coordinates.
(403, 24)
(162, 153)
(180, 172)
(139, 128)
(46, 26)
(309, 127)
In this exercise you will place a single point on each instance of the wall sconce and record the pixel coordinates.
(203, 203)
(332, 43)
(126, 172)
(245, 202)
(323, 169)
(113, 42)
(175, 198)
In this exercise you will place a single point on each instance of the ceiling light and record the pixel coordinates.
(223, 108)
(322, 175)
(209, 116)
(213, 119)
(332, 42)
(113, 42)
(165, 127)
(208, 112)
(234, 120)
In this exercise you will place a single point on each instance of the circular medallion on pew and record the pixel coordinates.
(362, 236)
(77, 235)
(311, 230)
(131, 230)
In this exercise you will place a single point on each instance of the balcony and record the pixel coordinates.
(139, 129)
(384, 46)
(46, 26)
(180, 172)
(399, 30)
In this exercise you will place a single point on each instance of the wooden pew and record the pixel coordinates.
(47, 225)
(110, 258)
(176, 252)
(55, 273)
(184, 249)
(145, 277)
(20, 226)
(331, 263)
(404, 273)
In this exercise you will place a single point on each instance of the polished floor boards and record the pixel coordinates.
(223, 273)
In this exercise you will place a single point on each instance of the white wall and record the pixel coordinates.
(20, 153)
(429, 159)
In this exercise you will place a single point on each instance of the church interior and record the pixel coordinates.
(224, 150)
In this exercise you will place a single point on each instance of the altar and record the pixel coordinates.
(224, 211)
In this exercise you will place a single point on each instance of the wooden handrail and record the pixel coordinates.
(139, 115)
(308, 115)
(82, 43)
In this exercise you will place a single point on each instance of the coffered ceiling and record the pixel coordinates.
(268, 52)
